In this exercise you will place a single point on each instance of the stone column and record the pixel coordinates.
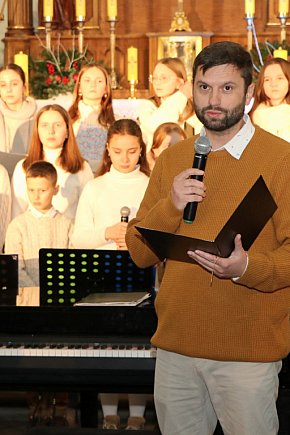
(19, 18)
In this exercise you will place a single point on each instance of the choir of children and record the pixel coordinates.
(54, 185)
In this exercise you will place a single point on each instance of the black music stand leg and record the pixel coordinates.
(89, 408)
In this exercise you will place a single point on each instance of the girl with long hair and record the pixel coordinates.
(53, 140)
(17, 111)
(91, 111)
(172, 100)
(271, 108)
(165, 135)
(121, 180)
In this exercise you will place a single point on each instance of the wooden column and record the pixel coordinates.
(19, 18)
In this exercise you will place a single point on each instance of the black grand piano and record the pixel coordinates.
(84, 349)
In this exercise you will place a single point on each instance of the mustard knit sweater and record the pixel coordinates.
(247, 320)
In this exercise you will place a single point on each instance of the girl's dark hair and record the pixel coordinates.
(122, 127)
(15, 68)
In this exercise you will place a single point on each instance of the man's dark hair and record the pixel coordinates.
(222, 53)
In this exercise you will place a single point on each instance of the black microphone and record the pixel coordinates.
(125, 212)
(202, 148)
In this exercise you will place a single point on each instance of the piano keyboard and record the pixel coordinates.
(90, 350)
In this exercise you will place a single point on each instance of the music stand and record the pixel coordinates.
(8, 279)
(68, 275)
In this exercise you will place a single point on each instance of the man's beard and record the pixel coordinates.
(231, 118)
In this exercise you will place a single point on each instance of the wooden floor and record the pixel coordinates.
(14, 418)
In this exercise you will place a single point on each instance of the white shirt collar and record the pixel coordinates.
(51, 213)
(237, 145)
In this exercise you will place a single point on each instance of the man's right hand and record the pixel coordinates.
(185, 189)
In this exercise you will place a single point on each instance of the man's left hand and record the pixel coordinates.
(232, 267)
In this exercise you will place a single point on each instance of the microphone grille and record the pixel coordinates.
(125, 211)
(202, 145)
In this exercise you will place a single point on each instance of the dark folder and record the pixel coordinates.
(248, 219)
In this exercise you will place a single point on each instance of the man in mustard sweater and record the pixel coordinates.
(220, 343)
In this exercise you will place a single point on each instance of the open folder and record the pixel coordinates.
(248, 219)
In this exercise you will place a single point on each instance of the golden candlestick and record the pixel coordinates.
(47, 24)
(283, 22)
(80, 28)
(132, 89)
(250, 21)
(112, 22)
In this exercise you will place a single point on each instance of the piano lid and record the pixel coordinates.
(78, 321)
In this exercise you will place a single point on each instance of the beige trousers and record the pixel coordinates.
(191, 394)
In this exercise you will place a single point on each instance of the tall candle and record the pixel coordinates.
(21, 59)
(132, 55)
(112, 8)
(48, 9)
(283, 7)
(198, 45)
(80, 8)
(283, 54)
(250, 7)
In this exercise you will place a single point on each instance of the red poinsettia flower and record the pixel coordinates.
(50, 68)
(48, 81)
(57, 78)
(65, 80)
(75, 77)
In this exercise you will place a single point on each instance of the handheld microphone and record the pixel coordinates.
(125, 212)
(202, 148)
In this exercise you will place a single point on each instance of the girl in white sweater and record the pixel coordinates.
(17, 111)
(172, 101)
(121, 181)
(53, 140)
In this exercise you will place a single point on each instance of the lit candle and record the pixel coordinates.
(21, 59)
(48, 9)
(80, 8)
(283, 7)
(112, 9)
(132, 55)
(198, 45)
(283, 54)
(250, 8)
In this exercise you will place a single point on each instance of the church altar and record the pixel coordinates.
(123, 108)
